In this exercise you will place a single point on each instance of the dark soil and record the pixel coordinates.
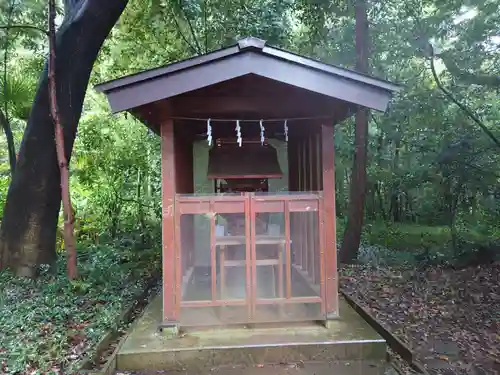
(449, 318)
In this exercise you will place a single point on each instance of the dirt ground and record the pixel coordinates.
(449, 318)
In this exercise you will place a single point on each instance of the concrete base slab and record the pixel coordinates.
(314, 368)
(349, 338)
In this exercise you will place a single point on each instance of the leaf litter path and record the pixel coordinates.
(449, 318)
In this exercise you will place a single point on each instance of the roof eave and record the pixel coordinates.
(244, 45)
(155, 73)
(241, 52)
(331, 69)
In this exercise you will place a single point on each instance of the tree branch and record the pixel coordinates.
(450, 96)
(182, 34)
(471, 78)
(423, 148)
(26, 27)
(129, 200)
(428, 149)
(191, 29)
(205, 31)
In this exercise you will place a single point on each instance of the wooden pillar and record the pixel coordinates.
(330, 241)
(292, 186)
(318, 178)
(319, 170)
(298, 227)
(170, 318)
(292, 164)
(303, 217)
(299, 166)
(310, 216)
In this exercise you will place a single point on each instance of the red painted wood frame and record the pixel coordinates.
(311, 166)
(290, 203)
(249, 204)
(168, 190)
(328, 166)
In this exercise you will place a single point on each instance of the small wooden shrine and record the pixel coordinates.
(245, 253)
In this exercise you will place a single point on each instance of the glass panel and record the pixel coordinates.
(305, 267)
(213, 261)
(269, 259)
(232, 249)
(228, 276)
(283, 290)
(195, 258)
(306, 260)
(269, 253)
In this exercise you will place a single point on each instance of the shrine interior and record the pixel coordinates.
(260, 166)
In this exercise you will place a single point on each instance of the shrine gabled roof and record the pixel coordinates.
(248, 56)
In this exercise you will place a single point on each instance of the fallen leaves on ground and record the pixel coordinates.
(449, 318)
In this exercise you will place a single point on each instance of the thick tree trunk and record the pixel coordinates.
(352, 234)
(28, 232)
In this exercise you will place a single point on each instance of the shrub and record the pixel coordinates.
(419, 245)
(50, 324)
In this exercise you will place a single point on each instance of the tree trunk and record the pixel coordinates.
(396, 210)
(352, 234)
(4, 116)
(378, 184)
(28, 232)
(69, 231)
(381, 201)
(476, 78)
(11, 147)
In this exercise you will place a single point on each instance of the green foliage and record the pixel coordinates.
(17, 93)
(424, 152)
(116, 179)
(430, 167)
(4, 185)
(51, 323)
(407, 237)
(433, 195)
(419, 245)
